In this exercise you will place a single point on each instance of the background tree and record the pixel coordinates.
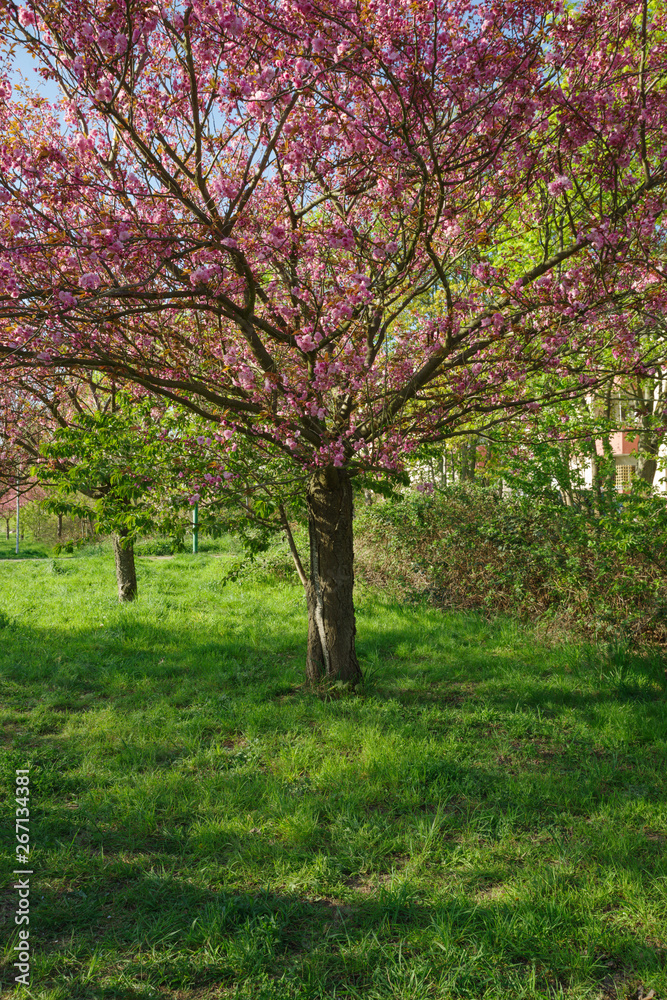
(79, 455)
(20, 432)
(642, 410)
(245, 206)
(94, 466)
(128, 464)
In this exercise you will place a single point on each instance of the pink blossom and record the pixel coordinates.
(559, 184)
(90, 281)
(26, 18)
(204, 274)
(277, 236)
(103, 92)
(302, 66)
(305, 343)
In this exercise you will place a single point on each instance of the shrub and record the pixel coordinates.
(158, 546)
(600, 573)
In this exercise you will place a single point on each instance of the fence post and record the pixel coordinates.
(18, 494)
(195, 530)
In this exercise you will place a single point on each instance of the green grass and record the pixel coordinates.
(28, 549)
(486, 820)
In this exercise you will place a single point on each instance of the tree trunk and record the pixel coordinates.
(648, 441)
(331, 625)
(648, 470)
(60, 526)
(468, 458)
(125, 571)
(7, 527)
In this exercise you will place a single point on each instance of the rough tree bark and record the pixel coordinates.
(648, 440)
(331, 624)
(468, 458)
(125, 571)
(649, 467)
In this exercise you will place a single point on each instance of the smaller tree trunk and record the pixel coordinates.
(298, 565)
(648, 440)
(7, 527)
(468, 459)
(647, 457)
(125, 570)
(648, 470)
(60, 526)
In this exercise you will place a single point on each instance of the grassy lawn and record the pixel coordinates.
(28, 549)
(486, 820)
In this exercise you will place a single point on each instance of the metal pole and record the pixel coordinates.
(17, 513)
(195, 531)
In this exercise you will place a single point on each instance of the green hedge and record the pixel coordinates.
(602, 573)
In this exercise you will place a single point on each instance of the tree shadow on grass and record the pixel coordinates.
(125, 935)
(130, 903)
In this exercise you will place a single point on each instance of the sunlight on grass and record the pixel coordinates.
(485, 819)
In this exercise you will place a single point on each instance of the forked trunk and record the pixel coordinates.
(125, 571)
(331, 626)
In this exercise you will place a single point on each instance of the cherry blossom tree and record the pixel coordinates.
(7, 504)
(336, 228)
(20, 431)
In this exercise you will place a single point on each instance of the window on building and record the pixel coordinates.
(624, 476)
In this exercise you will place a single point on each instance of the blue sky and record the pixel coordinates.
(25, 65)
